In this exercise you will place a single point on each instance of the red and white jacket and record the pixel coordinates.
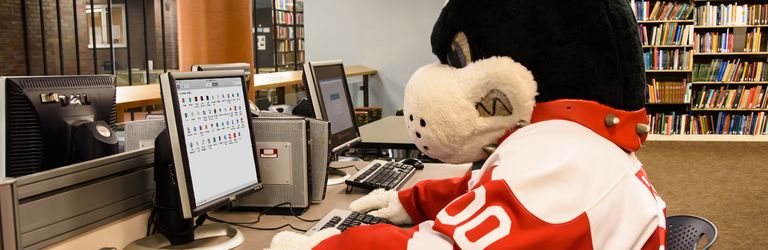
(555, 184)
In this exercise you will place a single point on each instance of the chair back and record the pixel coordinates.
(685, 231)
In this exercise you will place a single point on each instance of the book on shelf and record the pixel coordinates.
(667, 34)
(722, 97)
(667, 59)
(752, 123)
(661, 10)
(719, 70)
(737, 40)
(668, 92)
(731, 14)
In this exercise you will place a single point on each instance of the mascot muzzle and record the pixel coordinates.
(451, 113)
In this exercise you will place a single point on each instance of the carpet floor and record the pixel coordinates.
(725, 182)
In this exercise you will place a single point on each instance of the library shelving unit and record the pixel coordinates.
(278, 35)
(706, 68)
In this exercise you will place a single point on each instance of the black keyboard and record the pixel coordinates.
(381, 174)
(343, 219)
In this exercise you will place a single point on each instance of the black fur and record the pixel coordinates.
(576, 49)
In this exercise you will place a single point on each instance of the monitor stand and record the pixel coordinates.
(173, 229)
(337, 176)
(207, 231)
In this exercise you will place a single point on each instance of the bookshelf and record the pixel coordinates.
(278, 35)
(706, 69)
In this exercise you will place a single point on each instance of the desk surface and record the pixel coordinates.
(288, 78)
(335, 198)
(389, 132)
(142, 95)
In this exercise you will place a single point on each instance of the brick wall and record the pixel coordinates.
(13, 59)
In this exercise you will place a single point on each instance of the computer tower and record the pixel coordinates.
(320, 157)
(282, 148)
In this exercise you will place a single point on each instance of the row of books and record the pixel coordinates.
(287, 18)
(300, 32)
(667, 59)
(661, 10)
(752, 123)
(720, 70)
(668, 92)
(287, 4)
(723, 42)
(284, 32)
(731, 14)
(741, 97)
(286, 45)
(667, 34)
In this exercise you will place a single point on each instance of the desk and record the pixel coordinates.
(388, 133)
(335, 198)
(290, 78)
(143, 95)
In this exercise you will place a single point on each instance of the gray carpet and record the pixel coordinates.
(725, 182)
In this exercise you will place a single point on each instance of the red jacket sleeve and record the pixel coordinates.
(425, 199)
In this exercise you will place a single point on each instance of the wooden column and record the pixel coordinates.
(215, 32)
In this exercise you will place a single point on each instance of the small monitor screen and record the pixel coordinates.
(216, 132)
(336, 104)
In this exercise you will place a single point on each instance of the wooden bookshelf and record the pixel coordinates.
(729, 26)
(667, 46)
(710, 137)
(668, 71)
(730, 54)
(663, 113)
(726, 109)
(731, 82)
(279, 30)
(665, 21)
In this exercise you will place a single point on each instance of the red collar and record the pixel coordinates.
(592, 115)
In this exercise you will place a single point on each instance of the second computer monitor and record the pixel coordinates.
(331, 101)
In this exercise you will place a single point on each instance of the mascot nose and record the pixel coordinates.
(420, 123)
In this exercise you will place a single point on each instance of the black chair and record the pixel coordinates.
(685, 231)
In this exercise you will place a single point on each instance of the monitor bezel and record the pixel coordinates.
(337, 143)
(173, 119)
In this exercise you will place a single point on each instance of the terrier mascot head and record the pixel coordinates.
(497, 56)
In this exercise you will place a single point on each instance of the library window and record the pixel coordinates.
(97, 18)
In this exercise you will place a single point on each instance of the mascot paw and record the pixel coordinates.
(385, 204)
(287, 240)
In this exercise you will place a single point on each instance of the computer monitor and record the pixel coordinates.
(208, 125)
(329, 94)
(211, 157)
(53, 121)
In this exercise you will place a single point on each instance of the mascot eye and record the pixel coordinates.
(459, 55)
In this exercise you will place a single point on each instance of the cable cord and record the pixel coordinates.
(152, 227)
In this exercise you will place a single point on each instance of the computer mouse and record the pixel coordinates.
(416, 163)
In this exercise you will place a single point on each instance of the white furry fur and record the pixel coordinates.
(385, 204)
(287, 240)
(445, 97)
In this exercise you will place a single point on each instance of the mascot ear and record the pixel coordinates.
(452, 113)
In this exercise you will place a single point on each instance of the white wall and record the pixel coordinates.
(391, 36)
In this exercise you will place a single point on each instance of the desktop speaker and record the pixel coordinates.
(282, 151)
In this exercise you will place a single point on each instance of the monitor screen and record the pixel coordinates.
(331, 100)
(212, 125)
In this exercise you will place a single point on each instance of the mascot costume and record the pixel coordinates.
(548, 95)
